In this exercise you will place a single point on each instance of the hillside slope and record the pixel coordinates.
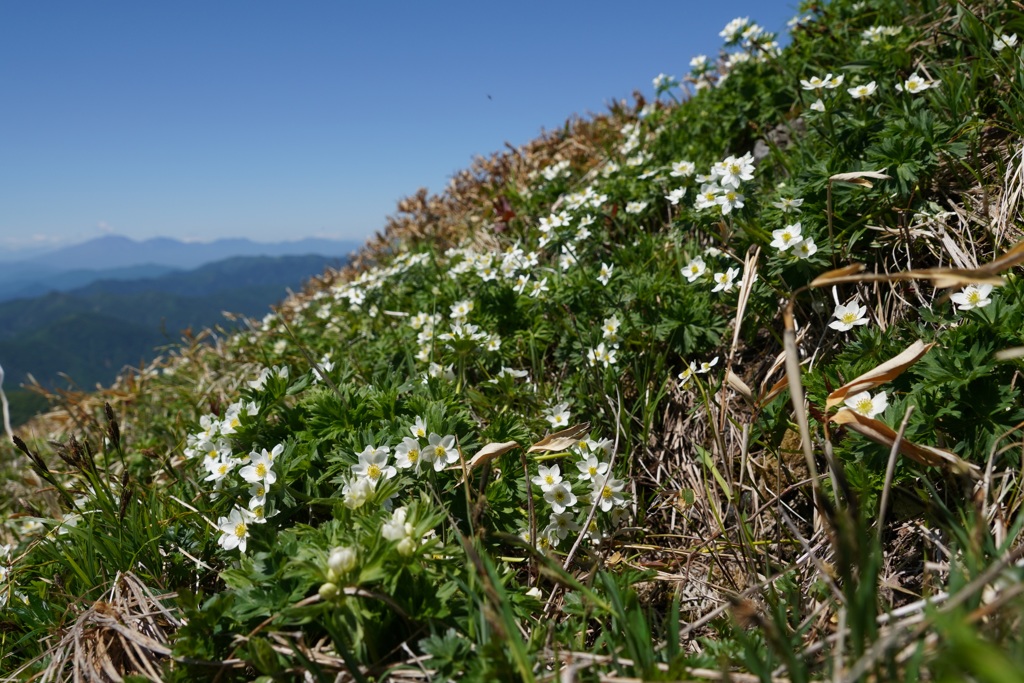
(723, 386)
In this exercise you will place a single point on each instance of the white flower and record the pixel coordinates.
(407, 454)
(635, 207)
(1004, 41)
(674, 196)
(234, 529)
(699, 63)
(972, 296)
(784, 238)
(687, 374)
(441, 451)
(706, 366)
(605, 273)
(694, 269)
(590, 467)
(848, 315)
(602, 355)
(394, 528)
(342, 560)
(734, 170)
(876, 33)
(734, 28)
(560, 524)
(724, 282)
(608, 491)
(610, 329)
(218, 467)
(373, 465)
(559, 415)
(460, 310)
(683, 169)
(547, 477)
(356, 492)
(265, 374)
(258, 491)
(260, 468)
(862, 91)
(708, 196)
(805, 248)
(814, 82)
(560, 497)
(867, 405)
(729, 200)
(663, 82)
(818, 105)
(915, 84)
(832, 82)
(419, 428)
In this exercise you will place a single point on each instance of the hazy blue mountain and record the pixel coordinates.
(115, 251)
(91, 333)
(28, 281)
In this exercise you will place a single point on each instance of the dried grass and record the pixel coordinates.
(125, 633)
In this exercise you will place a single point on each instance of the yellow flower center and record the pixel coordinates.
(413, 454)
(261, 470)
(606, 492)
(864, 406)
(849, 317)
(439, 451)
(240, 529)
(373, 472)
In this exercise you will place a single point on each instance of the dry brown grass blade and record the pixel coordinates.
(774, 391)
(125, 634)
(838, 275)
(560, 441)
(739, 386)
(1012, 353)
(939, 277)
(986, 274)
(886, 372)
(883, 434)
(746, 286)
(796, 394)
(859, 178)
(489, 453)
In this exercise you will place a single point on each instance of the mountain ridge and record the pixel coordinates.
(118, 251)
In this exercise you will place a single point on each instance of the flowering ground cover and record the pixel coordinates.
(721, 385)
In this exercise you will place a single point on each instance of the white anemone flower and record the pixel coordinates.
(1004, 41)
(867, 405)
(972, 296)
(694, 269)
(848, 315)
(784, 238)
(234, 529)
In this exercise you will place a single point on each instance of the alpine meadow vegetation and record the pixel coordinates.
(726, 385)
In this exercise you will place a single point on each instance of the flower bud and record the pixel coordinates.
(342, 560)
(328, 591)
(406, 547)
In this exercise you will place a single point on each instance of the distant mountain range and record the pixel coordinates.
(114, 257)
(57, 319)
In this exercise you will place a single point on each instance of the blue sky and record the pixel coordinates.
(281, 120)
